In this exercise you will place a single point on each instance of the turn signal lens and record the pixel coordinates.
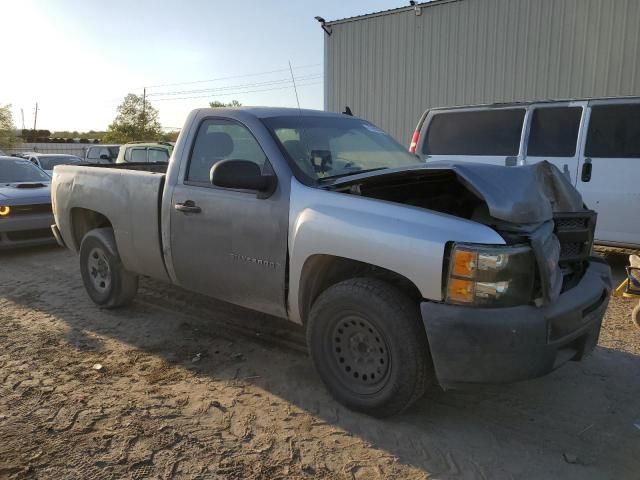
(4, 210)
(464, 263)
(460, 291)
(490, 275)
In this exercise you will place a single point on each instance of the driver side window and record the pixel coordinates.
(221, 140)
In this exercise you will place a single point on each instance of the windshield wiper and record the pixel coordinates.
(346, 174)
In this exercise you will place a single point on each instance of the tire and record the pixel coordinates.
(369, 347)
(106, 281)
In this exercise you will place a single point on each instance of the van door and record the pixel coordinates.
(609, 170)
(553, 134)
(484, 135)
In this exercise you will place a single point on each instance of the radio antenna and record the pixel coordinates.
(295, 89)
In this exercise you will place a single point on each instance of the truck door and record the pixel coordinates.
(553, 133)
(225, 243)
(609, 170)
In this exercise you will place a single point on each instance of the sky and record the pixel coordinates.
(79, 58)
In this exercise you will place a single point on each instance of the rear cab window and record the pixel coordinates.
(136, 155)
(158, 155)
(487, 133)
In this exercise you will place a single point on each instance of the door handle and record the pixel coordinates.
(189, 206)
(585, 176)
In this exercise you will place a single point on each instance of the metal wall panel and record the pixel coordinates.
(390, 67)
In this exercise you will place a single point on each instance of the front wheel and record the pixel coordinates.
(367, 343)
(106, 281)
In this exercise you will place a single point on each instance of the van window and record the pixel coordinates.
(554, 132)
(614, 132)
(485, 132)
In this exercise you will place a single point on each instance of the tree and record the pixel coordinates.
(218, 104)
(136, 120)
(7, 128)
(171, 136)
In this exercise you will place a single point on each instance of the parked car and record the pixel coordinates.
(596, 143)
(25, 155)
(402, 273)
(101, 153)
(25, 204)
(46, 161)
(145, 152)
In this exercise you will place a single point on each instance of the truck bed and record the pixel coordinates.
(125, 196)
(140, 167)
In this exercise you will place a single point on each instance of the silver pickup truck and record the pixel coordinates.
(404, 274)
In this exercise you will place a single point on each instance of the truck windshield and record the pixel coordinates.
(14, 171)
(326, 147)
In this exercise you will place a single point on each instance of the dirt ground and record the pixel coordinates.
(182, 393)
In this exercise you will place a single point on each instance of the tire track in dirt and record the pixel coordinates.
(263, 414)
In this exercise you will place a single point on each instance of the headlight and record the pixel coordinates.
(5, 210)
(501, 276)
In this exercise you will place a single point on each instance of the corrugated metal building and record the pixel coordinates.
(390, 66)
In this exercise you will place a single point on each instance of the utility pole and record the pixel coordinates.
(35, 117)
(22, 114)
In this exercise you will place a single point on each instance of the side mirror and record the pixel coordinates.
(241, 174)
(104, 156)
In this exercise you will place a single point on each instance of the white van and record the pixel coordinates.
(595, 142)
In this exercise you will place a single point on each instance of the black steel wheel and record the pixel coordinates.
(360, 352)
(369, 347)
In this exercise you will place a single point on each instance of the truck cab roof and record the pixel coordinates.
(268, 112)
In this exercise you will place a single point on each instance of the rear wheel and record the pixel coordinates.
(106, 281)
(368, 345)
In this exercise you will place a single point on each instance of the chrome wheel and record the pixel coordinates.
(99, 271)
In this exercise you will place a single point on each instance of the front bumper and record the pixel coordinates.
(26, 231)
(499, 345)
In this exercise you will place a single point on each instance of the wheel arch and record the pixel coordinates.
(321, 271)
(83, 220)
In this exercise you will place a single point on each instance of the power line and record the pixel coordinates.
(232, 87)
(231, 77)
(236, 93)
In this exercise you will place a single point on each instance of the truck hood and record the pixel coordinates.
(523, 195)
(25, 193)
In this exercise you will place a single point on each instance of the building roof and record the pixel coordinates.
(391, 11)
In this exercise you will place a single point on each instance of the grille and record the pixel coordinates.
(571, 223)
(29, 234)
(570, 249)
(31, 209)
(575, 233)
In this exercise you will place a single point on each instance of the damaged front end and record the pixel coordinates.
(533, 205)
(510, 312)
